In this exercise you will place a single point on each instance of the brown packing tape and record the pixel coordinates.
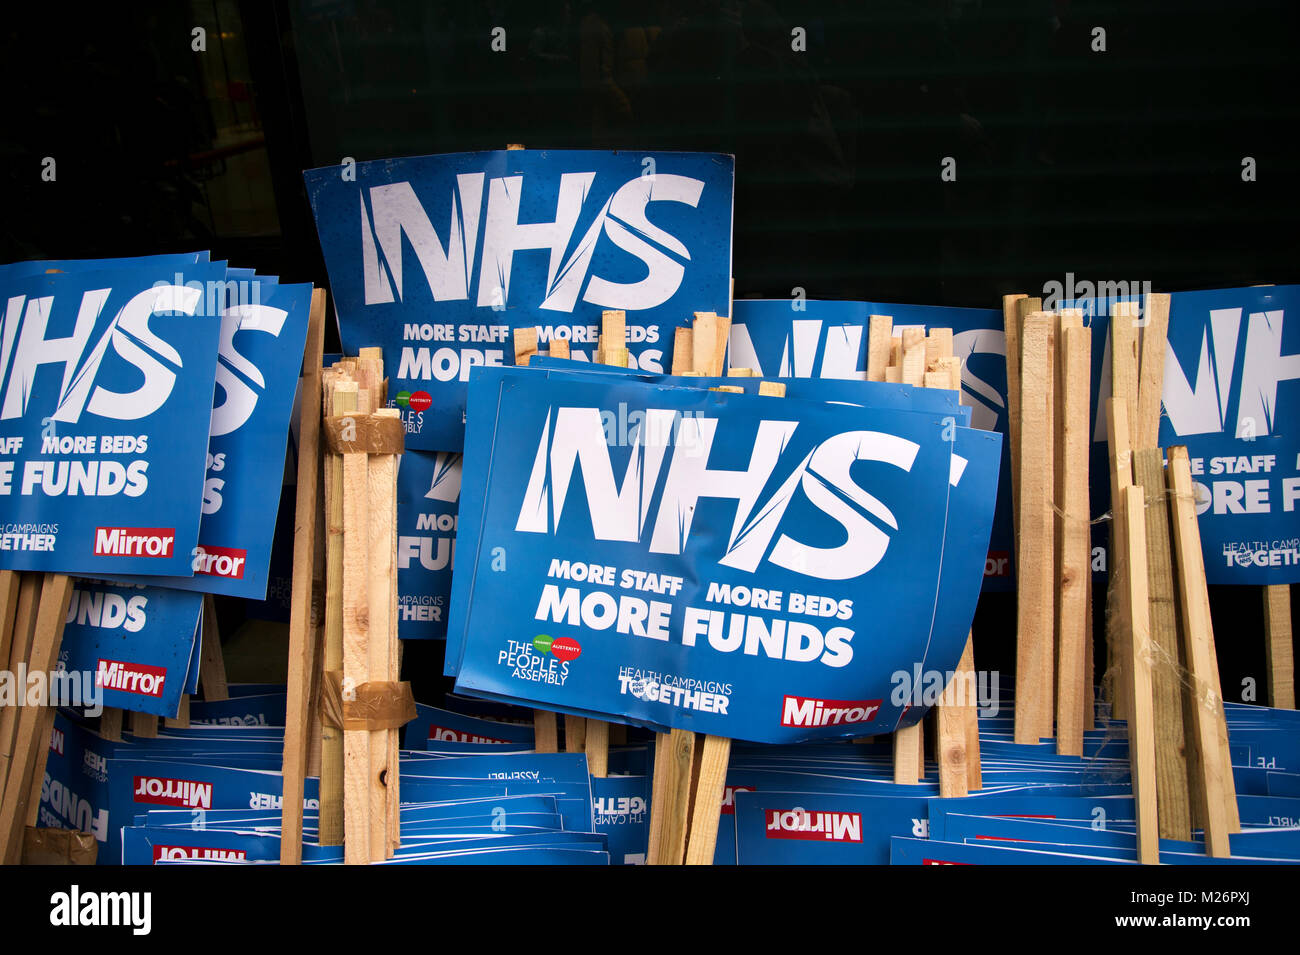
(59, 847)
(376, 705)
(365, 434)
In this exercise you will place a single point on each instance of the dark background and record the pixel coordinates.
(1116, 165)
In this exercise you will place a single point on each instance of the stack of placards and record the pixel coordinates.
(212, 793)
(144, 418)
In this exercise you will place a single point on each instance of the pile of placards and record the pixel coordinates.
(211, 793)
(734, 579)
(143, 424)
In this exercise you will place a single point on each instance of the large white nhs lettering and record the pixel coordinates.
(448, 268)
(128, 334)
(621, 513)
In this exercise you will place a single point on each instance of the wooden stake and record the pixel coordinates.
(974, 778)
(575, 733)
(110, 724)
(182, 718)
(879, 333)
(212, 663)
(709, 344)
(1124, 364)
(614, 332)
(1279, 659)
(709, 788)
(938, 345)
(909, 760)
(144, 725)
(29, 744)
(559, 348)
(951, 743)
(670, 797)
(1215, 786)
(1152, 370)
(381, 571)
(356, 636)
(597, 739)
(913, 357)
(683, 351)
(1074, 566)
(305, 594)
(342, 397)
(1141, 722)
(1034, 565)
(1014, 310)
(546, 732)
(525, 344)
(1166, 668)
(1121, 476)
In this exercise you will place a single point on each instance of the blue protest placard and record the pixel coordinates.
(257, 371)
(104, 377)
(137, 641)
(1231, 387)
(729, 564)
(428, 494)
(438, 258)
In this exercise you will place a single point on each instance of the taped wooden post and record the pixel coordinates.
(1279, 656)
(1166, 665)
(1214, 786)
(306, 593)
(1141, 722)
(1034, 564)
(1074, 688)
